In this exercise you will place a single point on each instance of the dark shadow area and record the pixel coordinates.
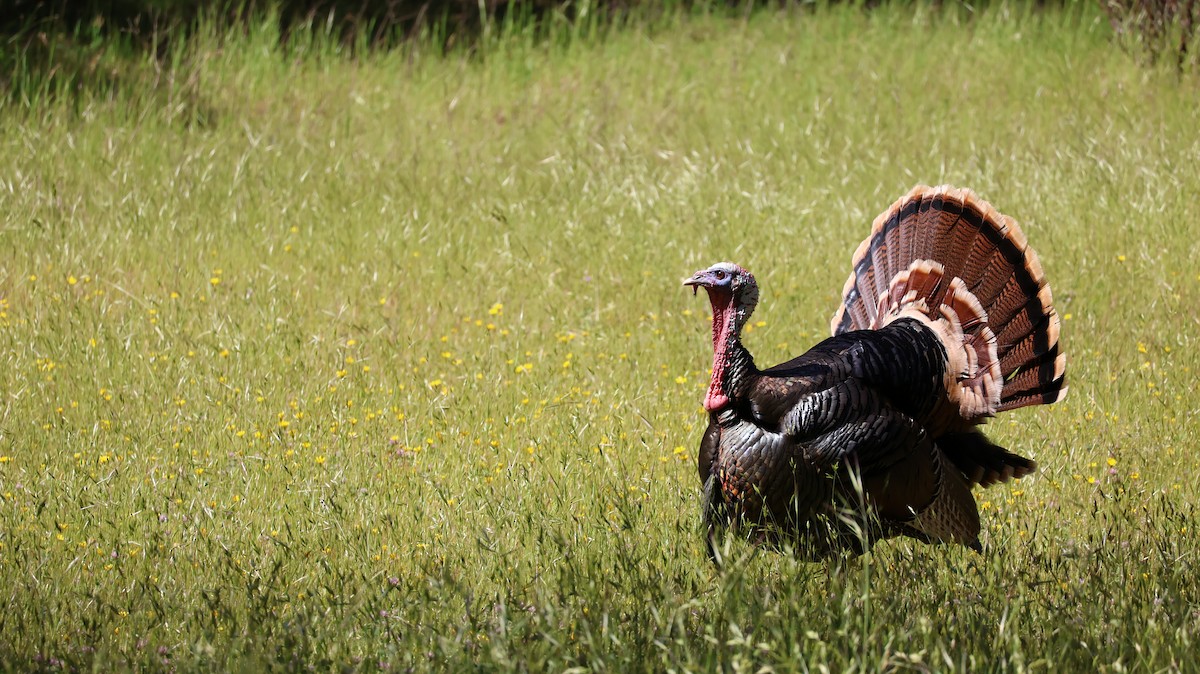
(61, 48)
(1157, 30)
(56, 49)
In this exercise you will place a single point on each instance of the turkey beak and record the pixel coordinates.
(695, 282)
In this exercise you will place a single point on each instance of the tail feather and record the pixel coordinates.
(1054, 392)
(880, 263)
(853, 310)
(995, 249)
(959, 242)
(1011, 253)
(1036, 374)
(933, 218)
(896, 247)
(1039, 338)
(1016, 299)
(948, 256)
(1025, 337)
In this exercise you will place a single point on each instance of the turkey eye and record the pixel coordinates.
(720, 275)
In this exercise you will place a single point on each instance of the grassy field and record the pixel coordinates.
(382, 363)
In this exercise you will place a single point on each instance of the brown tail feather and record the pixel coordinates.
(1033, 340)
(1015, 302)
(896, 247)
(1035, 374)
(1040, 381)
(948, 257)
(1055, 391)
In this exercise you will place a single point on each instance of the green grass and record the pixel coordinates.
(383, 362)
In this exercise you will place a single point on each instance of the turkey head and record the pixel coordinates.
(733, 293)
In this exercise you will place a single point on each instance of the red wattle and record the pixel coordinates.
(722, 308)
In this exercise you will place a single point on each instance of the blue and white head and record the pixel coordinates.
(730, 288)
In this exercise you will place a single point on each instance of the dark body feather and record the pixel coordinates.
(863, 402)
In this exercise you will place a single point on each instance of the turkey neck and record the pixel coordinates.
(732, 363)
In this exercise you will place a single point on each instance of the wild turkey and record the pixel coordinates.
(946, 319)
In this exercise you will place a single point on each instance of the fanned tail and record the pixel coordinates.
(946, 257)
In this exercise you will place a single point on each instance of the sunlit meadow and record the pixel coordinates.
(382, 362)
